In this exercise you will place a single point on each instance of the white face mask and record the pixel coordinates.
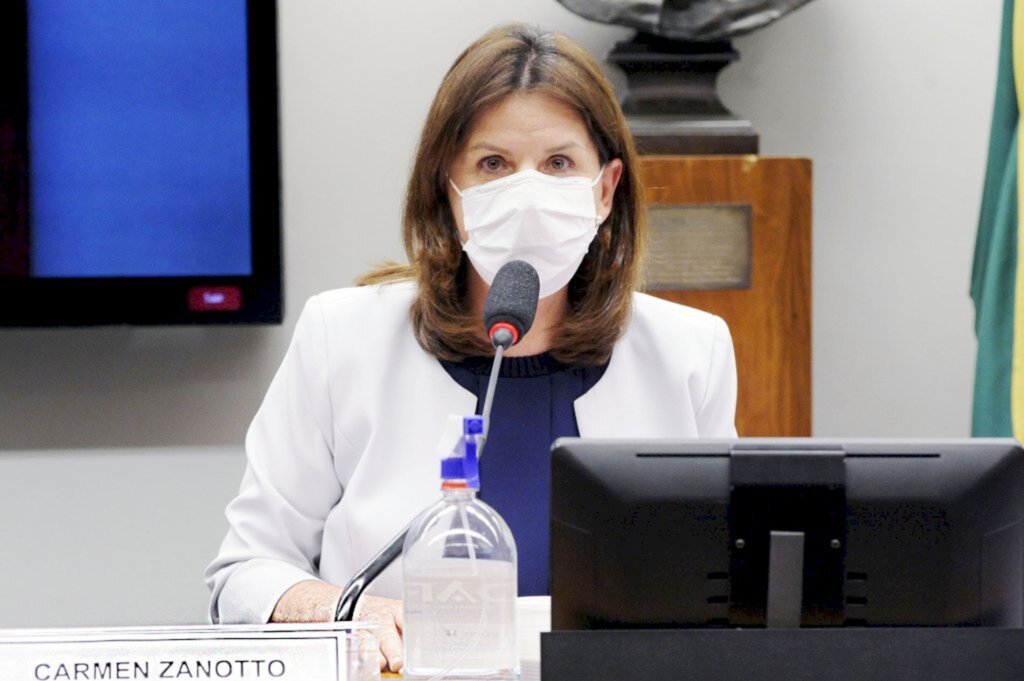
(547, 221)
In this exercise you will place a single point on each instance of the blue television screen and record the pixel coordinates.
(140, 162)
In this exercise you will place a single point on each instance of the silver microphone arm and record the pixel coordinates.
(357, 585)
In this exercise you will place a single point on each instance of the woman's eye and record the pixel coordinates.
(492, 164)
(560, 164)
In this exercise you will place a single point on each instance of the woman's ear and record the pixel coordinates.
(609, 181)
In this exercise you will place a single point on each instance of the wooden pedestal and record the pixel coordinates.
(769, 314)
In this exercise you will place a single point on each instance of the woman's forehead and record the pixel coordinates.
(533, 118)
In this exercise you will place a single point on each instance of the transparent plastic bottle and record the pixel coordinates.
(460, 580)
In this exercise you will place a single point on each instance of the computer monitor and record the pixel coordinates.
(702, 533)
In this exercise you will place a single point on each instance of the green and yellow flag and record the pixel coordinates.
(997, 282)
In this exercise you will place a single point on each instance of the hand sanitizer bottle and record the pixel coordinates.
(460, 580)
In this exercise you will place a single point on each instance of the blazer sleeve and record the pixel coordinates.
(275, 524)
(716, 415)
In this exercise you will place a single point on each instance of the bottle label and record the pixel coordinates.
(461, 615)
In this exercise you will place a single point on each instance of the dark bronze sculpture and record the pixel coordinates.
(689, 20)
(672, 66)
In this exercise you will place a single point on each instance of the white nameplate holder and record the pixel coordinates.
(298, 652)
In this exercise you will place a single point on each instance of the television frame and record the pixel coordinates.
(27, 301)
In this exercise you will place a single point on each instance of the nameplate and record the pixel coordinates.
(229, 653)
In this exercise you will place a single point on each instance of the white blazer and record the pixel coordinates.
(341, 455)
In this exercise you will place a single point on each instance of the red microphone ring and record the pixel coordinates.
(505, 325)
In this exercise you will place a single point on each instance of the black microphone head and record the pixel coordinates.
(511, 303)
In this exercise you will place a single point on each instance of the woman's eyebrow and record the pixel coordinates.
(553, 150)
(564, 147)
(489, 147)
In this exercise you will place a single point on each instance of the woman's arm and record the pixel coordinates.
(308, 601)
(276, 523)
(266, 568)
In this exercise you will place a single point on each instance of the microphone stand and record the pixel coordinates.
(346, 609)
(499, 350)
(511, 305)
(354, 589)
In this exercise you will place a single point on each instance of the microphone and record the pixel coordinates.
(508, 314)
(511, 303)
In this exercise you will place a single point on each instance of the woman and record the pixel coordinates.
(524, 155)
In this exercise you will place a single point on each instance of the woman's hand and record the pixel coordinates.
(386, 613)
(308, 601)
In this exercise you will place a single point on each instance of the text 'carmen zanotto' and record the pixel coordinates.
(165, 669)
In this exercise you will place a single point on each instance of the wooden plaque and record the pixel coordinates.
(769, 311)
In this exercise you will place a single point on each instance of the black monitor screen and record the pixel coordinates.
(695, 533)
(140, 179)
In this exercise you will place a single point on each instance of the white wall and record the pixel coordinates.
(106, 537)
(119, 447)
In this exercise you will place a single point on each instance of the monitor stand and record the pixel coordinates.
(785, 580)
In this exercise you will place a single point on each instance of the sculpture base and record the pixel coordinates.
(671, 102)
(747, 259)
(693, 135)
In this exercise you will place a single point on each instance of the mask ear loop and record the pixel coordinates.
(598, 219)
(459, 191)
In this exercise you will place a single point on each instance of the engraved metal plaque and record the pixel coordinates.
(698, 247)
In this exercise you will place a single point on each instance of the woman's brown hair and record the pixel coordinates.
(516, 59)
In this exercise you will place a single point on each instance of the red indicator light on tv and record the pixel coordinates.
(215, 299)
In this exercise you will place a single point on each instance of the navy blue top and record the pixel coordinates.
(533, 405)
